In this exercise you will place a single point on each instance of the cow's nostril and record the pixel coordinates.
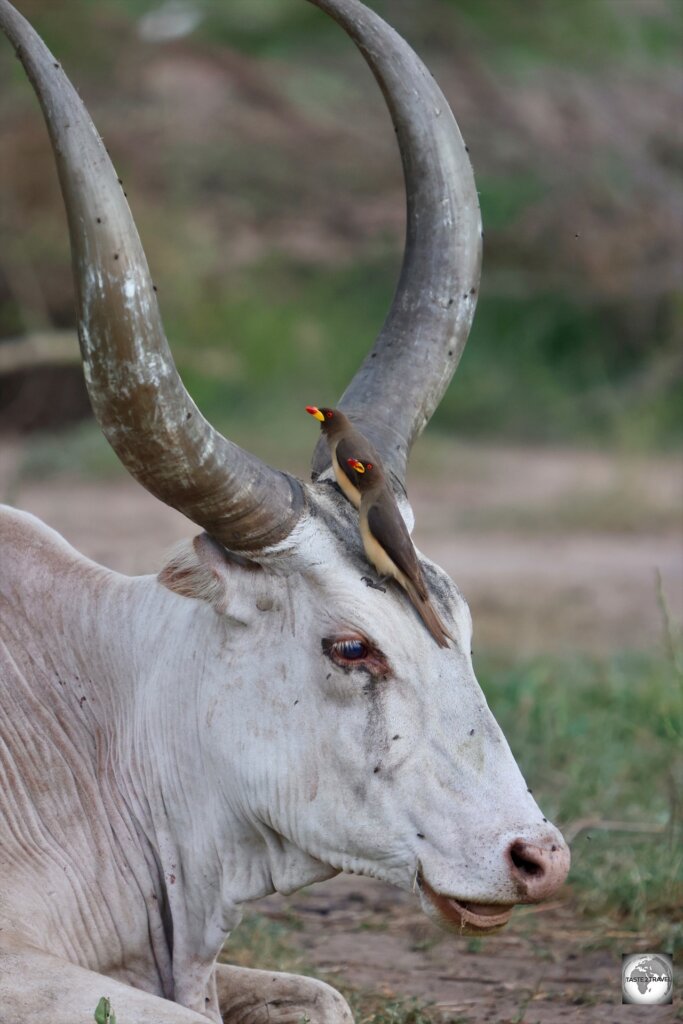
(538, 869)
(520, 856)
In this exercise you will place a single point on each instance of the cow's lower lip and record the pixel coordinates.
(463, 914)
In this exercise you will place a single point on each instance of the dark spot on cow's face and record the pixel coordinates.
(471, 732)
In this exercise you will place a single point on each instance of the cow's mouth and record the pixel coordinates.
(463, 916)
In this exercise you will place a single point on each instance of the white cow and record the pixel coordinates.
(254, 718)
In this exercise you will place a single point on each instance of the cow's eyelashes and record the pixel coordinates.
(351, 652)
(346, 650)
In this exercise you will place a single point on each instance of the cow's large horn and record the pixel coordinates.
(136, 393)
(400, 383)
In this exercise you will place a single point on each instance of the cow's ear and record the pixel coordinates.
(197, 570)
(202, 570)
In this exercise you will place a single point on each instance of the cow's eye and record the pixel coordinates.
(347, 650)
(350, 650)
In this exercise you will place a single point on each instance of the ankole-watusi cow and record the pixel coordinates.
(254, 718)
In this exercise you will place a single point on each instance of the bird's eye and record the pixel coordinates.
(368, 465)
(329, 414)
(350, 650)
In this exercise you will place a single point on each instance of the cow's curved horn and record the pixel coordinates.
(136, 393)
(404, 376)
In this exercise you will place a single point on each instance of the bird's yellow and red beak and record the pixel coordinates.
(314, 411)
(355, 464)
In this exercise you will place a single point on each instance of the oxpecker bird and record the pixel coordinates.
(388, 545)
(344, 442)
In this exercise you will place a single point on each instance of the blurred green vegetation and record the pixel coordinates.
(597, 30)
(536, 368)
(261, 168)
(603, 740)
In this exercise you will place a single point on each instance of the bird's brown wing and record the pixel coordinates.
(387, 527)
(347, 448)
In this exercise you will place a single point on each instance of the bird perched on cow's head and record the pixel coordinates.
(388, 545)
(344, 442)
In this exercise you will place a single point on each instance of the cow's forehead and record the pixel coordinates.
(330, 558)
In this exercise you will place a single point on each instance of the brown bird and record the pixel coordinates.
(344, 443)
(388, 545)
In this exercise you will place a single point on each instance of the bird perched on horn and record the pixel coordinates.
(344, 442)
(388, 545)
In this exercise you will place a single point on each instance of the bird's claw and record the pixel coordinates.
(369, 582)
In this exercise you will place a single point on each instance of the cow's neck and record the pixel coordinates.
(182, 764)
(140, 847)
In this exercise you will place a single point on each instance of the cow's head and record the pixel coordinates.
(382, 756)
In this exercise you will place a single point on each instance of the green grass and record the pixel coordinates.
(604, 740)
(265, 944)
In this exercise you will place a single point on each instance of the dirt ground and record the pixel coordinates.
(555, 551)
(542, 969)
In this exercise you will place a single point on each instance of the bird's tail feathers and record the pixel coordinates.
(425, 609)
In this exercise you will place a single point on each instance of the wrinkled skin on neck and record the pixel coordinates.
(214, 747)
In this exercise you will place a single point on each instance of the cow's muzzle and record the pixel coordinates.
(537, 871)
(460, 915)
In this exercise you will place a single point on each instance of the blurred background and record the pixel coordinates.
(262, 170)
